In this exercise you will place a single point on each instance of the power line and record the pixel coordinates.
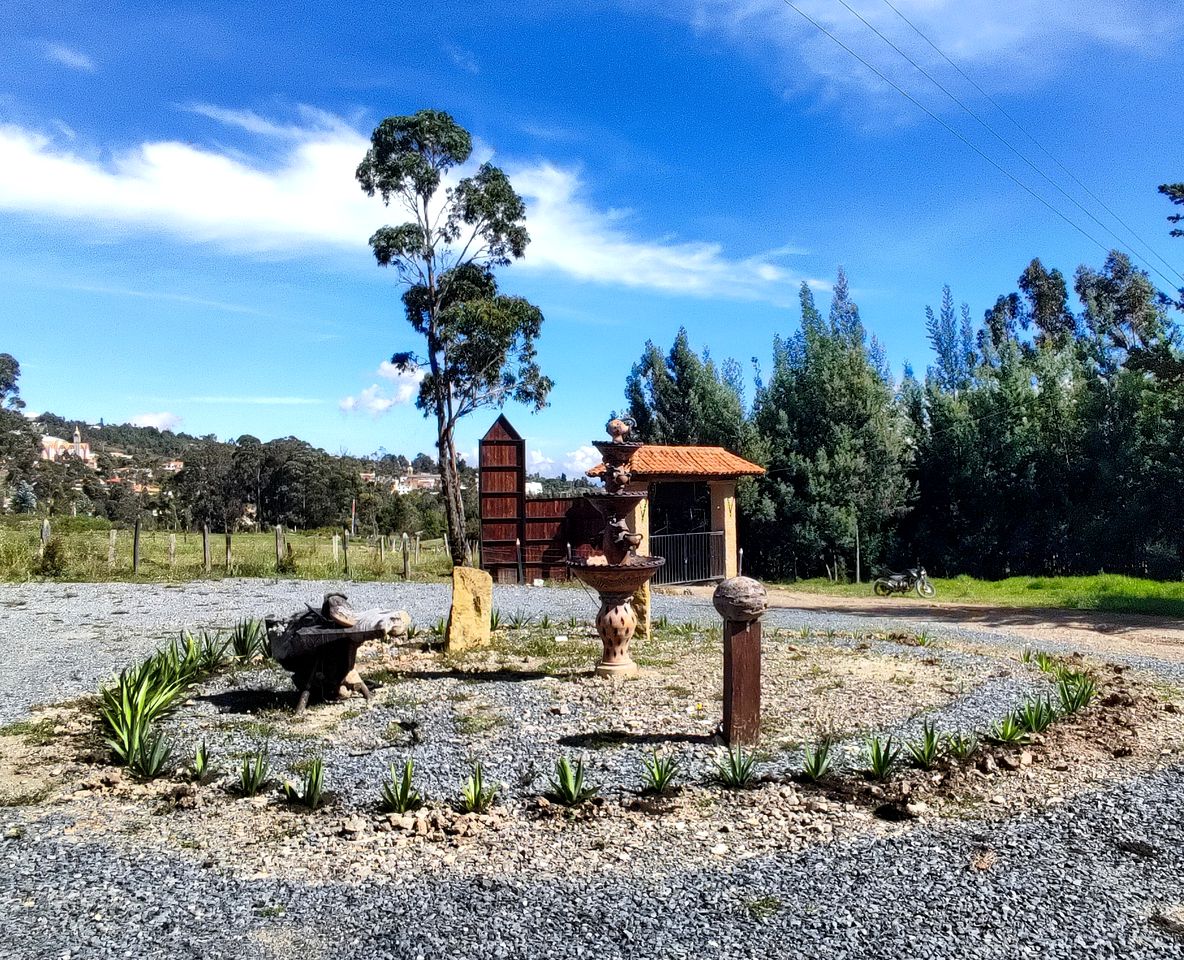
(1040, 146)
(1003, 140)
(920, 106)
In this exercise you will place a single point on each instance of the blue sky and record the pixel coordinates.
(182, 240)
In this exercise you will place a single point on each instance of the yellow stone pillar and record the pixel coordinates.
(639, 522)
(723, 520)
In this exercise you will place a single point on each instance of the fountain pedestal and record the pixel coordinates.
(616, 573)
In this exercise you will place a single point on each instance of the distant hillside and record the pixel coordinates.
(142, 444)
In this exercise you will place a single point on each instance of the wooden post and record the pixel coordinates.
(172, 550)
(205, 547)
(279, 548)
(406, 557)
(345, 551)
(521, 565)
(417, 549)
(229, 554)
(111, 549)
(336, 549)
(741, 602)
(136, 548)
(382, 551)
(45, 533)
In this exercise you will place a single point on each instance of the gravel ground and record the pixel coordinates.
(1085, 878)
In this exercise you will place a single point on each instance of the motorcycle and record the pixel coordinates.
(914, 578)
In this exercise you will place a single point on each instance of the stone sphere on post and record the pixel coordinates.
(741, 599)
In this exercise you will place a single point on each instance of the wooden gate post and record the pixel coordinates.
(205, 547)
(741, 601)
(136, 548)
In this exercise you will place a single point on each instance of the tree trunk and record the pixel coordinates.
(454, 508)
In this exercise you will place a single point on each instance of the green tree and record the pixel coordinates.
(10, 374)
(479, 345)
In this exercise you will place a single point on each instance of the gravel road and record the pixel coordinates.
(1098, 876)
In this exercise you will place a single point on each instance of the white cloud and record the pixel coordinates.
(463, 58)
(68, 57)
(1005, 44)
(581, 460)
(308, 200)
(377, 400)
(162, 420)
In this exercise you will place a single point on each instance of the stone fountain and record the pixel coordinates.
(617, 572)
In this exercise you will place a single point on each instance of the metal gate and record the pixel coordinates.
(690, 557)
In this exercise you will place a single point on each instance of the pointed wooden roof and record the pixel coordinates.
(502, 429)
(654, 461)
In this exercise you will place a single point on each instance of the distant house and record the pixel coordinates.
(412, 481)
(55, 450)
(172, 466)
(534, 488)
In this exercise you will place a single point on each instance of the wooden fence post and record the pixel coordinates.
(336, 540)
(229, 554)
(741, 602)
(205, 547)
(45, 534)
(111, 549)
(345, 551)
(172, 550)
(417, 549)
(382, 551)
(279, 548)
(136, 548)
(406, 557)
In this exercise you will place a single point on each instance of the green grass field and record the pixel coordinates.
(82, 555)
(1110, 592)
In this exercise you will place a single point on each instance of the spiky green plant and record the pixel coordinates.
(495, 619)
(1076, 693)
(520, 620)
(398, 792)
(806, 633)
(153, 756)
(310, 793)
(573, 622)
(961, 746)
(248, 641)
(735, 768)
(1036, 715)
(568, 785)
(662, 622)
(818, 759)
(1008, 730)
(545, 621)
(925, 751)
(254, 772)
(475, 795)
(924, 639)
(201, 762)
(135, 700)
(658, 772)
(440, 627)
(882, 756)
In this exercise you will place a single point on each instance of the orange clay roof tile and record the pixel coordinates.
(655, 460)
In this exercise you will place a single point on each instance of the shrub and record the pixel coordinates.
(658, 772)
(398, 792)
(568, 785)
(924, 752)
(475, 795)
(254, 772)
(54, 559)
(882, 757)
(735, 768)
(311, 791)
(153, 755)
(201, 762)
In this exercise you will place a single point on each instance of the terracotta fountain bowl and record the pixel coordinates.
(627, 577)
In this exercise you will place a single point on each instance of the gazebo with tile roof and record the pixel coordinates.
(657, 467)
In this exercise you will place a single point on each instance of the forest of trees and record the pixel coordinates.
(228, 485)
(1044, 439)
